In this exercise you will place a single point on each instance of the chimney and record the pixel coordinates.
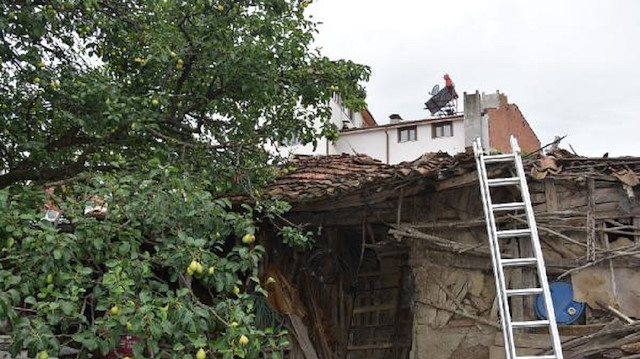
(395, 118)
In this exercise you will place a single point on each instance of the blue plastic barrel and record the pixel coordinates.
(567, 310)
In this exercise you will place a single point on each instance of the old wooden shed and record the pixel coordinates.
(401, 268)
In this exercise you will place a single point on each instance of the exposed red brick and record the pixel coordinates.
(507, 120)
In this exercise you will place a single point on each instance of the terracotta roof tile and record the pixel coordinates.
(323, 177)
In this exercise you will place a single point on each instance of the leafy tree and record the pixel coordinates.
(155, 110)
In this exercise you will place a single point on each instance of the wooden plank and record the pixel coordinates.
(591, 220)
(377, 346)
(301, 336)
(364, 197)
(530, 340)
(377, 274)
(439, 242)
(316, 312)
(374, 308)
(514, 278)
(476, 318)
(580, 330)
(458, 261)
(458, 181)
(551, 197)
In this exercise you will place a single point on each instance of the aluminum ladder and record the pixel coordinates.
(528, 233)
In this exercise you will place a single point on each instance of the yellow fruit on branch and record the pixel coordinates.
(43, 355)
(193, 265)
(236, 290)
(248, 238)
(201, 354)
(243, 340)
(115, 310)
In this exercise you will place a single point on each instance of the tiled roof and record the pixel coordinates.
(335, 176)
(324, 177)
(564, 163)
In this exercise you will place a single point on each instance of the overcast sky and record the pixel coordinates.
(572, 67)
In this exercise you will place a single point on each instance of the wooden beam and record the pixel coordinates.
(442, 242)
(301, 336)
(362, 198)
(591, 220)
(464, 315)
(551, 197)
(458, 181)
(374, 308)
(377, 346)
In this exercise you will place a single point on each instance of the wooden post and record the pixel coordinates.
(301, 336)
(551, 197)
(591, 219)
(516, 281)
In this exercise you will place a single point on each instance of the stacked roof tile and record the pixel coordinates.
(323, 177)
(327, 177)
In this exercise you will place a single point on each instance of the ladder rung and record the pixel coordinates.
(509, 206)
(537, 357)
(509, 181)
(510, 233)
(514, 262)
(523, 291)
(506, 157)
(530, 324)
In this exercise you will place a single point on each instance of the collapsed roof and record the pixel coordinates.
(338, 177)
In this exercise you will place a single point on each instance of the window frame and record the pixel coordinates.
(441, 126)
(409, 130)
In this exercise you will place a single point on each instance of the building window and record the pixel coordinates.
(442, 129)
(409, 133)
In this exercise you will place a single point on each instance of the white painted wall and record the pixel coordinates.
(308, 149)
(411, 150)
(373, 142)
(381, 142)
(340, 117)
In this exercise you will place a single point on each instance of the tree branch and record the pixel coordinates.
(70, 138)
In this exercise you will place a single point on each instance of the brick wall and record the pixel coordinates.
(507, 120)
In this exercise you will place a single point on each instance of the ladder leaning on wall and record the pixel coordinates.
(536, 261)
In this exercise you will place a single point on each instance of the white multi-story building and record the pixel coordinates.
(343, 119)
(488, 116)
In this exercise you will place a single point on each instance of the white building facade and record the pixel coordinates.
(403, 140)
(487, 116)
